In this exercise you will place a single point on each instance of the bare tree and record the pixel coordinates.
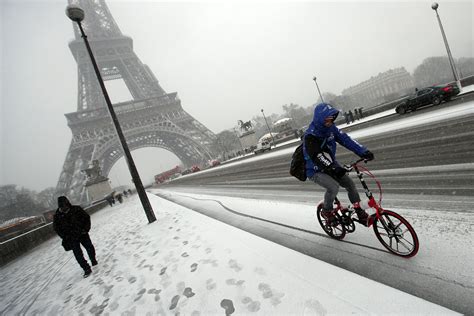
(436, 70)
(18, 202)
(47, 198)
(226, 142)
(433, 71)
(296, 112)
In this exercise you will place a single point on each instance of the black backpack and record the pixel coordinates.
(298, 164)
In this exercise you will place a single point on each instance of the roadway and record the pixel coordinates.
(434, 158)
(425, 163)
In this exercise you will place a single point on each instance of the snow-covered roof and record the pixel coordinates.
(283, 120)
(267, 136)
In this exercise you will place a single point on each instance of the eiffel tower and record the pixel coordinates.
(153, 118)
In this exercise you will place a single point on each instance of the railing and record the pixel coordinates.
(123, 107)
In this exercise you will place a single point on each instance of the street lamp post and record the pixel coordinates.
(268, 126)
(435, 6)
(76, 14)
(320, 95)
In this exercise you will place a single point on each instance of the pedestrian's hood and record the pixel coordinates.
(63, 201)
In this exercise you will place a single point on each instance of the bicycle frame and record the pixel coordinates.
(372, 202)
(395, 233)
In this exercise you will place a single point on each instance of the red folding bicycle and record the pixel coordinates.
(392, 230)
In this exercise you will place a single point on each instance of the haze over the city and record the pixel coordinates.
(226, 61)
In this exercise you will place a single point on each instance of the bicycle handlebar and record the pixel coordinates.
(350, 166)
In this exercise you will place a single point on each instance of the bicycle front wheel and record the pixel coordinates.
(396, 234)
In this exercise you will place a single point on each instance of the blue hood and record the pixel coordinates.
(331, 136)
(321, 111)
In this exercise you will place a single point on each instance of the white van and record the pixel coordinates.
(263, 146)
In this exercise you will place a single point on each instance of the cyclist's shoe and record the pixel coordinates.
(330, 217)
(371, 220)
(362, 216)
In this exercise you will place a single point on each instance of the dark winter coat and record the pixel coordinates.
(71, 225)
(319, 146)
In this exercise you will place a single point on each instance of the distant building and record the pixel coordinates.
(385, 86)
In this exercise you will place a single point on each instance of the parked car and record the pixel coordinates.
(187, 171)
(192, 169)
(430, 95)
(195, 168)
(176, 175)
(263, 146)
(214, 162)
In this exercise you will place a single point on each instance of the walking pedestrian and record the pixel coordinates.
(72, 224)
(351, 116)
(346, 117)
(109, 200)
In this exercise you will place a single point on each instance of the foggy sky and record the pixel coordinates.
(227, 60)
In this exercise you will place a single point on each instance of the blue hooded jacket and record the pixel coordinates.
(328, 137)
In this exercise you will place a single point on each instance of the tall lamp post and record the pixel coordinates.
(268, 126)
(320, 95)
(435, 6)
(76, 14)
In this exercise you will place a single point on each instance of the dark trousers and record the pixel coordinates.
(85, 241)
(332, 188)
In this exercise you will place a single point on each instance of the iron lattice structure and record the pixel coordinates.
(153, 119)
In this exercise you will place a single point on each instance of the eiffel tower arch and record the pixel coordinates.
(153, 118)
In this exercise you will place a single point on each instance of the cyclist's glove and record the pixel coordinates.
(368, 155)
(339, 172)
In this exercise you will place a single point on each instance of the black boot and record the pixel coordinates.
(87, 272)
(362, 216)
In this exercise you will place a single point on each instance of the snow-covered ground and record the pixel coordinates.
(442, 234)
(467, 89)
(189, 264)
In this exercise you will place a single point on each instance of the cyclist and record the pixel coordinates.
(319, 148)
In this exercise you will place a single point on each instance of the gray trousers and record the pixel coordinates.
(332, 188)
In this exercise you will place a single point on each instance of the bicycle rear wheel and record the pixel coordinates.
(337, 231)
(396, 234)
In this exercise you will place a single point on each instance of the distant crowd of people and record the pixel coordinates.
(350, 117)
(118, 196)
